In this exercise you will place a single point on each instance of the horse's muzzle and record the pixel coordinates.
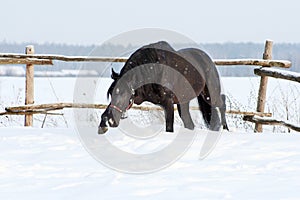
(102, 130)
(103, 127)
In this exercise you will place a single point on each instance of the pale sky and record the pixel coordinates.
(95, 21)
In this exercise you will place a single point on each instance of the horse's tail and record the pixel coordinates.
(223, 111)
(205, 106)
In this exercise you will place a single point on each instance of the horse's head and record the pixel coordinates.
(121, 100)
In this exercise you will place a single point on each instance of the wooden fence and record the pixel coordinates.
(30, 59)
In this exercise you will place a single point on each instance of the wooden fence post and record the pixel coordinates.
(261, 101)
(29, 85)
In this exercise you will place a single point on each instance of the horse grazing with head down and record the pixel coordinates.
(163, 76)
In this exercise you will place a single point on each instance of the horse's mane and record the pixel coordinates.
(144, 55)
(111, 88)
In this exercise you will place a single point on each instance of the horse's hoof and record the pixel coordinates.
(102, 130)
(169, 129)
(190, 127)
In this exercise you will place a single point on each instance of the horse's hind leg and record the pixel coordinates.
(184, 113)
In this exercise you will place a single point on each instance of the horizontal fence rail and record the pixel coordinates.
(45, 59)
(64, 58)
(271, 121)
(44, 108)
(276, 73)
(25, 61)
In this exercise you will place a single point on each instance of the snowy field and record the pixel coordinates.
(52, 163)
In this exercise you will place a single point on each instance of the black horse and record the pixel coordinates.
(163, 76)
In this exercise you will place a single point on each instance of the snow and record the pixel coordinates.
(52, 164)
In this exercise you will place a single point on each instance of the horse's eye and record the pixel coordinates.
(117, 91)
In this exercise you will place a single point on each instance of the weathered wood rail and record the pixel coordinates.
(24, 61)
(31, 59)
(277, 73)
(271, 121)
(46, 59)
(43, 108)
(11, 57)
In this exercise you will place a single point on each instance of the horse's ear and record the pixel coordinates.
(114, 75)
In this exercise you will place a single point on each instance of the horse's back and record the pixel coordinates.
(204, 64)
(199, 59)
(163, 45)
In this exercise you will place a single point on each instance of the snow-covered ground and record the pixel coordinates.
(53, 163)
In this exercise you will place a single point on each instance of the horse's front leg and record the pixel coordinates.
(169, 115)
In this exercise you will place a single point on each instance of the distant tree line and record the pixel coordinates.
(284, 51)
